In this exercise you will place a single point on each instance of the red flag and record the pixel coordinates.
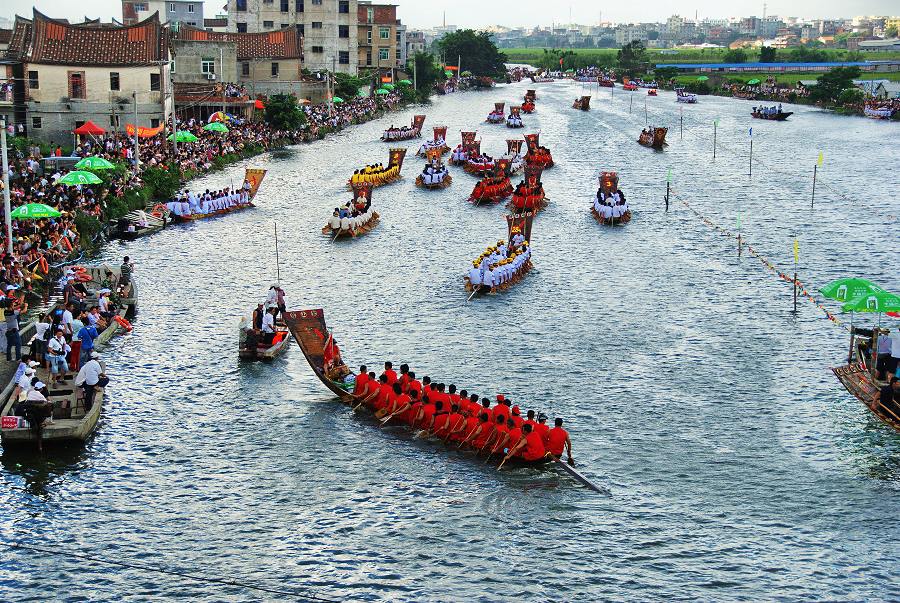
(560, 62)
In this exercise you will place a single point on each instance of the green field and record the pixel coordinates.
(606, 56)
(790, 79)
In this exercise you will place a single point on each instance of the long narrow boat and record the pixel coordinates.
(390, 174)
(251, 348)
(583, 103)
(653, 137)
(469, 147)
(497, 116)
(253, 176)
(515, 118)
(685, 97)
(72, 424)
(398, 134)
(440, 178)
(777, 116)
(438, 142)
(537, 155)
(609, 184)
(324, 356)
(494, 186)
(366, 219)
(529, 195)
(857, 377)
(137, 224)
(491, 272)
(876, 111)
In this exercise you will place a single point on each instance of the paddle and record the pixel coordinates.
(368, 398)
(474, 291)
(503, 463)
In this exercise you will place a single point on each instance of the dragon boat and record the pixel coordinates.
(493, 186)
(583, 103)
(253, 176)
(653, 137)
(438, 142)
(380, 177)
(356, 218)
(502, 265)
(393, 134)
(610, 211)
(685, 97)
(528, 195)
(469, 147)
(515, 118)
(435, 175)
(498, 115)
(537, 155)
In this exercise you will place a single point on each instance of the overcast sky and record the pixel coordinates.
(479, 13)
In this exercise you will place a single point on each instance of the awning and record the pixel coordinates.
(89, 127)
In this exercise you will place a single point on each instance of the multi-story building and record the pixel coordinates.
(377, 34)
(219, 23)
(108, 74)
(170, 11)
(415, 42)
(626, 34)
(328, 28)
(400, 52)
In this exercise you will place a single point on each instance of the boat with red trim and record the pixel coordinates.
(253, 178)
(494, 186)
(609, 206)
(498, 115)
(438, 142)
(414, 130)
(537, 155)
(653, 137)
(375, 176)
(529, 195)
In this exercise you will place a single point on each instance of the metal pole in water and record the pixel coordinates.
(751, 157)
(715, 123)
(277, 263)
(631, 102)
(667, 196)
(681, 122)
(815, 169)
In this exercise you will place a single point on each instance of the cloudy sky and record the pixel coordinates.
(478, 13)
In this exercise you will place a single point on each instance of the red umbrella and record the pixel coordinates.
(259, 104)
(89, 127)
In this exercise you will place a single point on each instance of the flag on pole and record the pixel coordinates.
(560, 62)
(796, 251)
(751, 132)
(821, 159)
(739, 220)
(669, 175)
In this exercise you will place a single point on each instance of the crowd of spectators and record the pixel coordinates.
(41, 243)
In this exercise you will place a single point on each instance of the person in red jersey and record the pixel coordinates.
(403, 380)
(390, 373)
(453, 396)
(396, 401)
(456, 424)
(558, 440)
(474, 408)
(439, 421)
(531, 420)
(469, 431)
(515, 434)
(530, 447)
(401, 407)
(501, 409)
(498, 438)
(542, 428)
(362, 379)
(409, 417)
(426, 414)
(426, 388)
(414, 384)
(516, 416)
(385, 392)
(484, 431)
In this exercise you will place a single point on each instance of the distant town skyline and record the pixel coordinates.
(521, 13)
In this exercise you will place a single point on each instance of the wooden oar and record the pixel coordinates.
(503, 463)
(369, 397)
(474, 291)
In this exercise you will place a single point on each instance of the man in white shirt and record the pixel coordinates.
(57, 349)
(268, 326)
(88, 377)
(67, 318)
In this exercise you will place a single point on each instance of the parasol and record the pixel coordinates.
(216, 126)
(849, 289)
(337, 99)
(34, 211)
(382, 91)
(94, 163)
(753, 82)
(183, 136)
(79, 177)
(405, 82)
(702, 78)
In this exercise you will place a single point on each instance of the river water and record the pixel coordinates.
(737, 467)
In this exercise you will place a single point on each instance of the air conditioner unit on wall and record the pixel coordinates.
(211, 76)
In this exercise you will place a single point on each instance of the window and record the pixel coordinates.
(370, 15)
(268, 24)
(140, 7)
(114, 80)
(242, 27)
(343, 31)
(154, 81)
(384, 33)
(113, 121)
(384, 54)
(172, 65)
(76, 84)
(154, 123)
(369, 57)
(285, 6)
(274, 69)
(283, 25)
(33, 80)
(317, 25)
(301, 29)
(344, 57)
(241, 7)
(245, 69)
(36, 123)
(171, 7)
(207, 65)
(298, 5)
(317, 2)
(369, 37)
(190, 8)
(318, 50)
(397, 54)
(343, 6)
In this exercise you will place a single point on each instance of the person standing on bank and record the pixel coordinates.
(89, 378)
(13, 337)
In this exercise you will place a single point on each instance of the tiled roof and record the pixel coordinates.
(5, 35)
(21, 36)
(215, 22)
(280, 44)
(57, 42)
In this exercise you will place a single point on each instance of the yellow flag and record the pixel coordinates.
(796, 251)
(821, 158)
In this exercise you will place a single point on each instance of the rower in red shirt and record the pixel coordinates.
(515, 434)
(474, 408)
(404, 377)
(542, 428)
(456, 424)
(484, 431)
(530, 447)
(409, 417)
(558, 439)
(453, 396)
(498, 434)
(439, 421)
(426, 387)
(426, 415)
(359, 386)
(385, 391)
(531, 420)
(414, 384)
(501, 409)
(390, 373)
(393, 403)
(516, 416)
(469, 431)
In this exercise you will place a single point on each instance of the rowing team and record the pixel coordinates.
(432, 144)
(434, 174)
(374, 174)
(500, 265)
(393, 133)
(459, 154)
(514, 121)
(610, 206)
(187, 203)
(352, 216)
(439, 411)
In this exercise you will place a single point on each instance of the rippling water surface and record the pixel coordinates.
(737, 466)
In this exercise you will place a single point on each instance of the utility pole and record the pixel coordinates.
(137, 148)
(6, 204)
(222, 71)
(174, 123)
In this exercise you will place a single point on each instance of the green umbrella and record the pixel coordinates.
(753, 82)
(34, 211)
(570, 71)
(877, 301)
(405, 82)
(388, 86)
(382, 91)
(337, 99)
(183, 136)
(849, 289)
(702, 78)
(94, 163)
(79, 177)
(216, 126)
(448, 73)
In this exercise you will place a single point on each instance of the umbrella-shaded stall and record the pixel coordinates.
(337, 99)
(183, 136)
(388, 86)
(89, 127)
(753, 82)
(382, 92)
(79, 177)
(34, 211)
(94, 163)
(848, 289)
(218, 116)
(215, 126)
(877, 301)
(702, 78)
(405, 82)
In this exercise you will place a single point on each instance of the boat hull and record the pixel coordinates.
(620, 221)
(859, 382)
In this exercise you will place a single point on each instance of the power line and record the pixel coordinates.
(160, 570)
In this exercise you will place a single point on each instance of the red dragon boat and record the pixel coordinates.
(653, 137)
(630, 86)
(498, 115)
(528, 107)
(494, 186)
(651, 92)
(413, 131)
(469, 147)
(537, 155)
(530, 96)
(608, 213)
(606, 82)
(529, 195)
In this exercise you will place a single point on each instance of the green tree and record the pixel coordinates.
(477, 51)
(664, 74)
(551, 59)
(427, 74)
(829, 86)
(891, 32)
(735, 55)
(767, 54)
(283, 113)
(347, 86)
(632, 57)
